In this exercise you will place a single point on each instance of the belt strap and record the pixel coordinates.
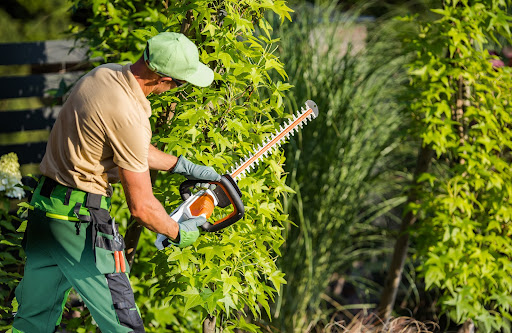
(51, 189)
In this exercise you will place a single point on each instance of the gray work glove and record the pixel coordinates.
(193, 171)
(189, 231)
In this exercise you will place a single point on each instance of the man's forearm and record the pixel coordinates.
(158, 160)
(154, 217)
(144, 207)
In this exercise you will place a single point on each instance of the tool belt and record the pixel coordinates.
(66, 203)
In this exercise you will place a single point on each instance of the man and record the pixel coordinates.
(71, 241)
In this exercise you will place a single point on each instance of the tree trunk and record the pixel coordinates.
(131, 239)
(185, 25)
(388, 296)
(209, 324)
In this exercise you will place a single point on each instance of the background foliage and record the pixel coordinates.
(346, 173)
(33, 20)
(345, 167)
(21, 21)
(11, 232)
(462, 106)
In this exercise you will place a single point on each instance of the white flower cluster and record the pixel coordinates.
(10, 176)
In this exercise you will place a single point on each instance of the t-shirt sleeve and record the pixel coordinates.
(130, 145)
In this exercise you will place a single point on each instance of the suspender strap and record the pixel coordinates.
(48, 187)
(68, 196)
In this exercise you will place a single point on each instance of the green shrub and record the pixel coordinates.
(11, 234)
(233, 271)
(462, 108)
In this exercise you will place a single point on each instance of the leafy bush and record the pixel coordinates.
(462, 106)
(11, 229)
(234, 270)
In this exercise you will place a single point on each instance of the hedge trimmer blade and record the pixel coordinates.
(298, 120)
(226, 192)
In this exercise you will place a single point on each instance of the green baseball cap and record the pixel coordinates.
(173, 55)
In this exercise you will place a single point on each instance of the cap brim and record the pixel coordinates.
(203, 77)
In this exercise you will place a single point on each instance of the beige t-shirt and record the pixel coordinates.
(103, 124)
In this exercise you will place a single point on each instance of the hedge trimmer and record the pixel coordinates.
(226, 192)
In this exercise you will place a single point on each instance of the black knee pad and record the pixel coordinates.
(124, 302)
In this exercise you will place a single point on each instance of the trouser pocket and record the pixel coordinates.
(107, 242)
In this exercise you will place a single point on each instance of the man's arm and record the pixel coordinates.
(143, 205)
(158, 160)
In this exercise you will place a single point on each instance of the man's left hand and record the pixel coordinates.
(194, 171)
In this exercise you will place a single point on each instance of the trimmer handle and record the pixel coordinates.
(227, 193)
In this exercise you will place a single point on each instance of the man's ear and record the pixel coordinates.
(164, 78)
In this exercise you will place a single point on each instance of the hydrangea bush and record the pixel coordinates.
(10, 177)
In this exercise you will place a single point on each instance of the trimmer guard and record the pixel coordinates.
(227, 193)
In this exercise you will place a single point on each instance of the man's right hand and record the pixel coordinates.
(189, 231)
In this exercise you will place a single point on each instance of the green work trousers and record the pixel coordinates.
(60, 257)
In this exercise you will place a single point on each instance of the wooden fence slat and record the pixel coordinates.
(25, 132)
(34, 85)
(27, 152)
(45, 52)
(26, 120)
